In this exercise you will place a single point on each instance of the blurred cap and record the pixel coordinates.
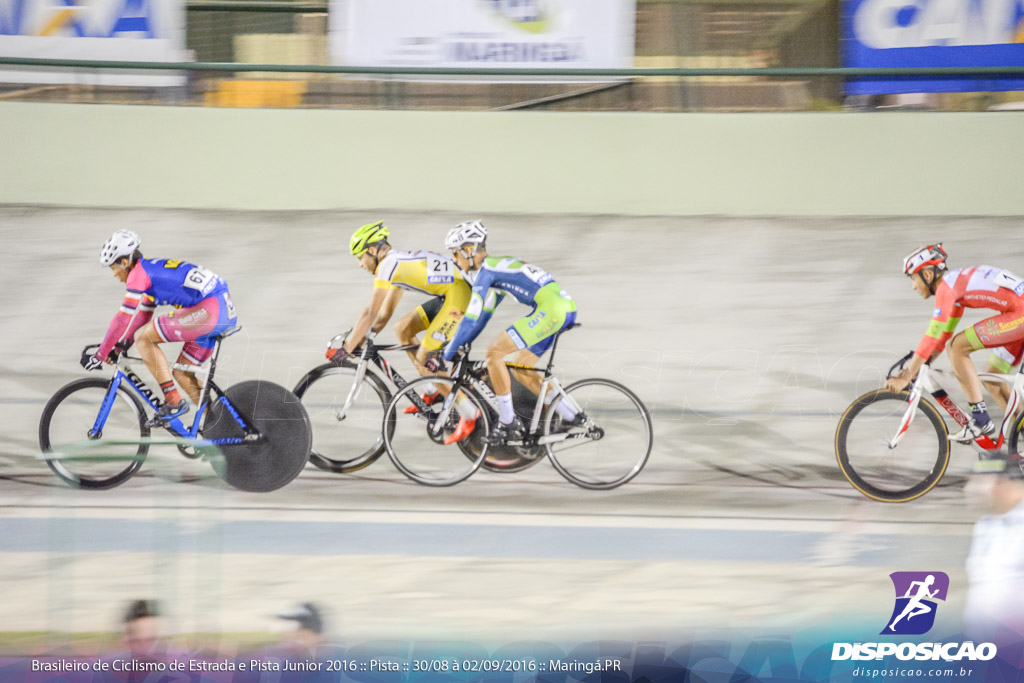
(306, 615)
(1010, 466)
(140, 609)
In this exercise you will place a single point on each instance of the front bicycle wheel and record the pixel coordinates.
(612, 445)
(71, 416)
(343, 440)
(891, 474)
(415, 440)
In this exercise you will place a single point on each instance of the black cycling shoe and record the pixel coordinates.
(168, 412)
(504, 434)
(578, 421)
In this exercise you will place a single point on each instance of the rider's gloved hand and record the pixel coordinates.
(91, 362)
(338, 355)
(434, 363)
(120, 348)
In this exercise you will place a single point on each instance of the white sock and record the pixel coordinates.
(565, 410)
(465, 407)
(430, 389)
(506, 413)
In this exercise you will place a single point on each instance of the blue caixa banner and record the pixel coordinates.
(932, 33)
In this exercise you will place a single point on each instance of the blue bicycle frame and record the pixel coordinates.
(126, 377)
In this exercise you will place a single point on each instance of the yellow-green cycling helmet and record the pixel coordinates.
(367, 235)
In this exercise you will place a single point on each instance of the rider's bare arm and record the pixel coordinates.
(365, 320)
(387, 308)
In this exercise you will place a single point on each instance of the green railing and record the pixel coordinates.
(977, 72)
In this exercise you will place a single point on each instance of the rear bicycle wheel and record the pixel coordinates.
(415, 441)
(509, 459)
(611, 447)
(343, 442)
(69, 417)
(269, 464)
(891, 475)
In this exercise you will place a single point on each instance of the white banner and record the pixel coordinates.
(536, 34)
(114, 30)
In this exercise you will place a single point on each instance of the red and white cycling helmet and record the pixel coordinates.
(122, 243)
(932, 255)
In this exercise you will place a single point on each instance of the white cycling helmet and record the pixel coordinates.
(469, 232)
(122, 243)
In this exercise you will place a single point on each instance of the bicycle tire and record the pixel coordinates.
(327, 456)
(598, 469)
(84, 420)
(1013, 442)
(282, 420)
(865, 476)
(438, 465)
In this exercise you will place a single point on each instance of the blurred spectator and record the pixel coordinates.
(147, 657)
(142, 629)
(303, 627)
(300, 653)
(994, 609)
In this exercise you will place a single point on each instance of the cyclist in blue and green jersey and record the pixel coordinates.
(493, 279)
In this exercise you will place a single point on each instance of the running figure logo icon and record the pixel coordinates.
(916, 593)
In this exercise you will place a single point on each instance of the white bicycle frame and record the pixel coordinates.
(485, 392)
(926, 382)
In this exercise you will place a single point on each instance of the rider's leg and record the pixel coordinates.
(960, 349)
(1001, 362)
(197, 326)
(147, 341)
(530, 380)
(192, 353)
(441, 318)
(999, 330)
(410, 325)
(501, 346)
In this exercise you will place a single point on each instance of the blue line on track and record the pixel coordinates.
(97, 535)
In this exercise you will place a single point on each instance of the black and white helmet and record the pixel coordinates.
(469, 232)
(122, 243)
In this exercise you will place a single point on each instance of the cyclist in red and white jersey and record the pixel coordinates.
(955, 290)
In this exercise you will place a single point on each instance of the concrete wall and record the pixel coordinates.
(530, 162)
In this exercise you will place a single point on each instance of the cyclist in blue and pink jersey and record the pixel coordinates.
(977, 287)
(205, 310)
(493, 279)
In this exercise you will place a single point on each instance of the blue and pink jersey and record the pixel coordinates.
(156, 282)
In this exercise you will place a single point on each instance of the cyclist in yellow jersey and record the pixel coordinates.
(418, 271)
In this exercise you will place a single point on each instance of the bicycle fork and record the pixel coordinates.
(108, 402)
(908, 416)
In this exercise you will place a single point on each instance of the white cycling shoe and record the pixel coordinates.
(972, 431)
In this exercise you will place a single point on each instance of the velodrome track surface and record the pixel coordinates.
(745, 337)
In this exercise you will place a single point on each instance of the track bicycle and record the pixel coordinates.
(607, 450)
(893, 447)
(260, 427)
(346, 403)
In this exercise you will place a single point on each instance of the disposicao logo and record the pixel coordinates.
(532, 16)
(916, 593)
(914, 614)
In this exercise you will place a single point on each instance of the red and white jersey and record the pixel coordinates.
(977, 287)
